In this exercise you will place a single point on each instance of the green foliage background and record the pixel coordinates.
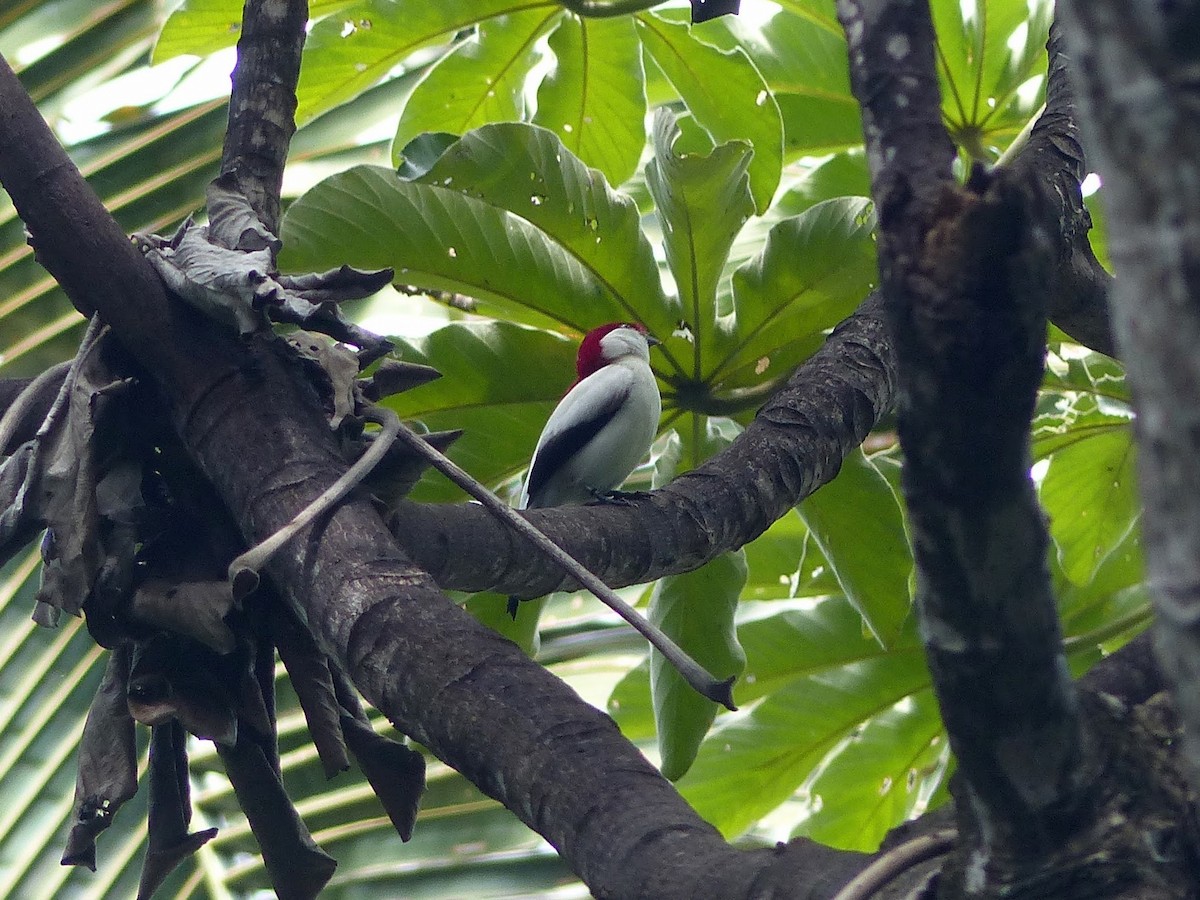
(707, 181)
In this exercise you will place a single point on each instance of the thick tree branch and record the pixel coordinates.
(262, 105)
(1140, 100)
(964, 274)
(1078, 300)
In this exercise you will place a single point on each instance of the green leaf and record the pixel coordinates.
(702, 203)
(885, 774)
(499, 383)
(820, 12)
(492, 610)
(481, 80)
(858, 524)
(527, 170)
(1093, 373)
(812, 272)
(440, 239)
(726, 94)
(347, 53)
(816, 125)
(982, 59)
(1090, 495)
(594, 99)
(820, 679)
(202, 27)
(843, 175)
(199, 27)
(696, 610)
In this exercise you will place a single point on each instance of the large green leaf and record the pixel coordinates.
(201, 27)
(440, 239)
(819, 12)
(984, 57)
(858, 524)
(347, 53)
(725, 93)
(803, 60)
(696, 610)
(528, 171)
(594, 99)
(569, 252)
(821, 680)
(885, 773)
(812, 272)
(1091, 498)
(481, 80)
(701, 203)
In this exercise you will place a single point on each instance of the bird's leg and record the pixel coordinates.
(618, 498)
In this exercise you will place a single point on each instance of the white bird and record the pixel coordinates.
(602, 427)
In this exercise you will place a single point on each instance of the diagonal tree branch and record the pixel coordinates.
(1078, 300)
(795, 444)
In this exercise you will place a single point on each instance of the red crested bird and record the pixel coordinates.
(602, 427)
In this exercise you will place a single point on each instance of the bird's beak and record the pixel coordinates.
(652, 341)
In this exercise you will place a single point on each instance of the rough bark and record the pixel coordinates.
(262, 104)
(965, 271)
(1140, 100)
(1054, 156)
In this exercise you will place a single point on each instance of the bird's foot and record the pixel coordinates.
(618, 498)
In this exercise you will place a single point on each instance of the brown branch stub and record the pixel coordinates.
(263, 103)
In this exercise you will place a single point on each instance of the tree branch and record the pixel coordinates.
(262, 105)
(1138, 95)
(964, 271)
(1078, 301)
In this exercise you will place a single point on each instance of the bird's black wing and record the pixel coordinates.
(560, 446)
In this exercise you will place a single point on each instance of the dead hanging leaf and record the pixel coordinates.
(337, 363)
(308, 670)
(227, 270)
(106, 763)
(297, 867)
(396, 772)
(394, 376)
(193, 608)
(170, 810)
(17, 526)
(233, 223)
(173, 678)
(66, 473)
(231, 286)
(24, 414)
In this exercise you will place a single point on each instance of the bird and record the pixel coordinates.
(603, 425)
